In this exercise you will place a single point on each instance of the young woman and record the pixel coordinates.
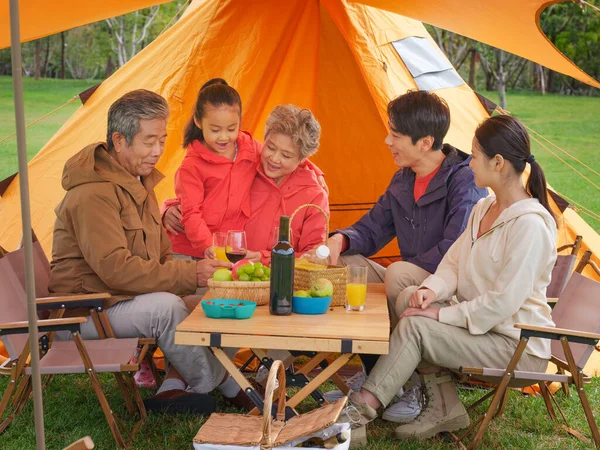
(498, 269)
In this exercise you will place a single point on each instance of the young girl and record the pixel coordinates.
(215, 176)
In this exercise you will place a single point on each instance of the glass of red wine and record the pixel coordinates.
(236, 246)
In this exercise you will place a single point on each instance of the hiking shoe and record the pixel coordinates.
(176, 401)
(444, 412)
(357, 413)
(355, 382)
(407, 407)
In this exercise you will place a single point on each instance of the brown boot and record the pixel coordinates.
(444, 410)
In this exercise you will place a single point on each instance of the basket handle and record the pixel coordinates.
(311, 205)
(277, 371)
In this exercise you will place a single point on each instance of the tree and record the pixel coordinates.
(130, 31)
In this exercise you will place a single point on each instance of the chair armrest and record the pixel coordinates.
(582, 337)
(63, 301)
(22, 327)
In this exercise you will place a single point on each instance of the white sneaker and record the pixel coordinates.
(408, 406)
(355, 382)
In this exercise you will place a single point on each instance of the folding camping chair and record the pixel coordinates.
(563, 268)
(577, 319)
(70, 304)
(108, 355)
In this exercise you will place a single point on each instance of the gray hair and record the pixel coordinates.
(299, 124)
(125, 114)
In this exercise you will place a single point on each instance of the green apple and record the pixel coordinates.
(321, 288)
(222, 275)
(244, 277)
(301, 294)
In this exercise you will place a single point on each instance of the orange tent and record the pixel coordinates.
(342, 60)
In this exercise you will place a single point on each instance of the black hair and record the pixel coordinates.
(419, 114)
(215, 92)
(506, 136)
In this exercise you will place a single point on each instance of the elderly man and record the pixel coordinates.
(108, 238)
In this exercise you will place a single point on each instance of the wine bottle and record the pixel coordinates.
(282, 272)
(330, 442)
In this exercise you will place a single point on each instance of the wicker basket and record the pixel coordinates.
(254, 291)
(238, 430)
(304, 278)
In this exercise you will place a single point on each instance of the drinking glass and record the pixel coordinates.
(236, 245)
(219, 242)
(356, 291)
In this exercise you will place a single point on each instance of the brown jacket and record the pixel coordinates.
(108, 235)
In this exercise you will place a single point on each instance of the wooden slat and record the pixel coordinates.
(282, 343)
(71, 297)
(44, 323)
(561, 331)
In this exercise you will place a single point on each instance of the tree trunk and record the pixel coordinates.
(550, 82)
(472, 69)
(46, 57)
(501, 76)
(38, 59)
(110, 67)
(62, 55)
(542, 79)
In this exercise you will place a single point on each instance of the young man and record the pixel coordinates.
(426, 206)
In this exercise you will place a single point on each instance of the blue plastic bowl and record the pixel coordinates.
(228, 308)
(310, 305)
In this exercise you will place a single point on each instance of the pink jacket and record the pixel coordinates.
(268, 202)
(213, 193)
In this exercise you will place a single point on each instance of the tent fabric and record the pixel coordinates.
(512, 25)
(334, 57)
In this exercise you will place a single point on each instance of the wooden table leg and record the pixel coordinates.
(319, 379)
(231, 368)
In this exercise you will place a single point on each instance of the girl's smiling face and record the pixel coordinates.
(220, 126)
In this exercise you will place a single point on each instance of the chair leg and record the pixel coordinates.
(565, 386)
(108, 414)
(125, 393)
(546, 396)
(503, 402)
(499, 393)
(6, 397)
(578, 380)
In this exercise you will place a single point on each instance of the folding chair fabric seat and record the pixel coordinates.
(107, 355)
(560, 275)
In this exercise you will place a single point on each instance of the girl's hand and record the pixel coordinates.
(209, 253)
(432, 313)
(422, 298)
(254, 256)
(172, 220)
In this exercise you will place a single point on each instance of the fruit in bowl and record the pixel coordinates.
(321, 288)
(244, 270)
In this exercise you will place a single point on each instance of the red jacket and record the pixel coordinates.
(213, 192)
(268, 202)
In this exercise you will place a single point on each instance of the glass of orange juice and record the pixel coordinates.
(356, 290)
(219, 241)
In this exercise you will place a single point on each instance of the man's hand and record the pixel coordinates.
(422, 298)
(206, 268)
(335, 243)
(210, 253)
(172, 220)
(432, 313)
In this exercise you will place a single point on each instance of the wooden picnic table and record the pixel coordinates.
(336, 332)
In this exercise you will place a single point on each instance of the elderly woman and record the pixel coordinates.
(285, 179)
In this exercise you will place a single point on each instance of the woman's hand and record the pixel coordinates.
(422, 298)
(209, 253)
(254, 256)
(432, 313)
(172, 220)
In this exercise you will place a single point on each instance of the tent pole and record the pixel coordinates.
(15, 40)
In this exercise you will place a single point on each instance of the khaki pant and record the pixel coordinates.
(419, 338)
(375, 272)
(398, 277)
(155, 316)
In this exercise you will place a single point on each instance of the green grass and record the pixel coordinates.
(40, 98)
(71, 410)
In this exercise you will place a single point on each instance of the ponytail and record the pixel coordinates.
(506, 136)
(536, 185)
(215, 92)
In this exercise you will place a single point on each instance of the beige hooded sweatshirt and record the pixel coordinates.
(500, 277)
